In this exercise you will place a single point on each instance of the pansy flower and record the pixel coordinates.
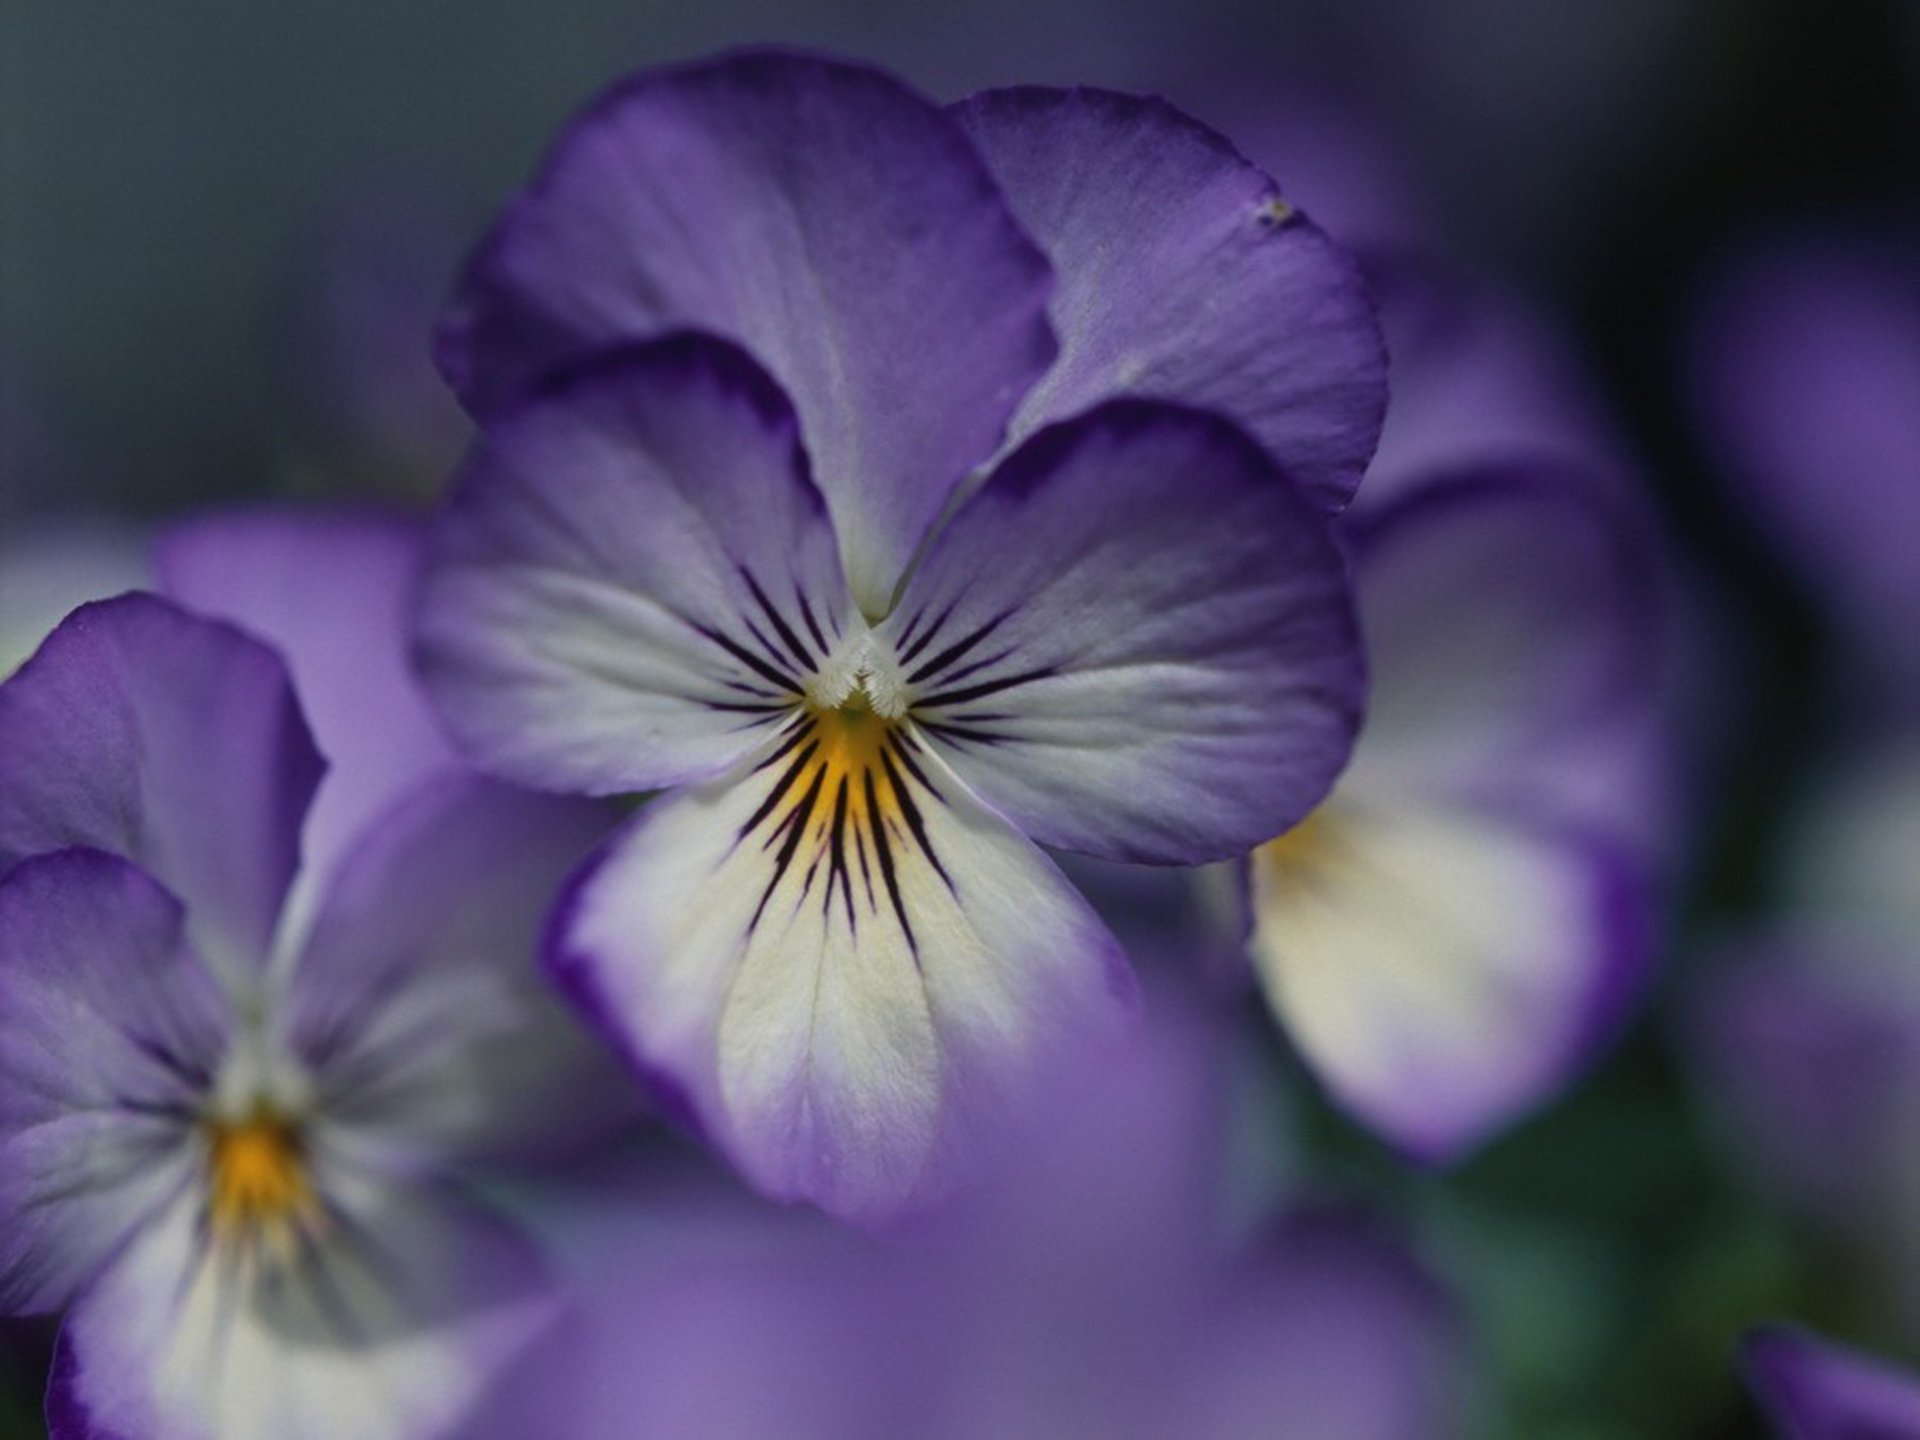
(900, 489)
(1805, 1033)
(1450, 934)
(260, 1018)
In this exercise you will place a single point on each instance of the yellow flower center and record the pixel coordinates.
(257, 1174)
(1310, 849)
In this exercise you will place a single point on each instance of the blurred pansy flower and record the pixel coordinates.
(1813, 1389)
(1093, 1283)
(1806, 1034)
(1452, 932)
(1803, 364)
(260, 1016)
(942, 526)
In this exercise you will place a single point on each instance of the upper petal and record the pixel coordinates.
(1184, 276)
(841, 957)
(394, 1325)
(1443, 969)
(177, 742)
(823, 215)
(330, 591)
(113, 1031)
(416, 1004)
(1517, 638)
(632, 577)
(1137, 640)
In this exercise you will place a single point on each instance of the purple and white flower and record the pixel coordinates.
(1452, 932)
(259, 1017)
(898, 488)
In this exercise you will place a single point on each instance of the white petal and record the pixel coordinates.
(1442, 969)
(393, 1328)
(840, 956)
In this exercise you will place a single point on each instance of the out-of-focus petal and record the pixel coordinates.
(176, 742)
(1443, 969)
(1807, 1044)
(417, 1005)
(1330, 1330)
(842, 958)
(395, 1325)
(634, 577)
(330, 591)
(1184, 276)
(821, 214)
(1136, 640)
(1479, 379)
(1504, 613)
(113, 1032)
(1813, 1389)
(1804, 363)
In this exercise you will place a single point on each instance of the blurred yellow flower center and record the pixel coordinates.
(257, 1173)
(1306, 846)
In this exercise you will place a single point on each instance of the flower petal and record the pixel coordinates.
(830, 220)
(633, 577)
(1184, 276)
(395, 1326)
(1813, 1389)
(262, 570)
(1442, 969)
(1504, 607)
(1136, 640)
(416, 1004)
(176, 742)
(1329, 1328)
(840, 956)
(1519, 641)
(113, 1031)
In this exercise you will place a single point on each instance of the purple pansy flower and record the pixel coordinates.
(1812, 1389)
(1448, 936)
(259, 1014)
(1803, 364)
(878, 479)
(1806, 1035)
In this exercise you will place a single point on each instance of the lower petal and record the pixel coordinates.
(841, 956)
(1443, 968)
(392, 1327)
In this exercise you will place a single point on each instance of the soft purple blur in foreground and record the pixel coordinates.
(1813, 1389)
(1095, 1284)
